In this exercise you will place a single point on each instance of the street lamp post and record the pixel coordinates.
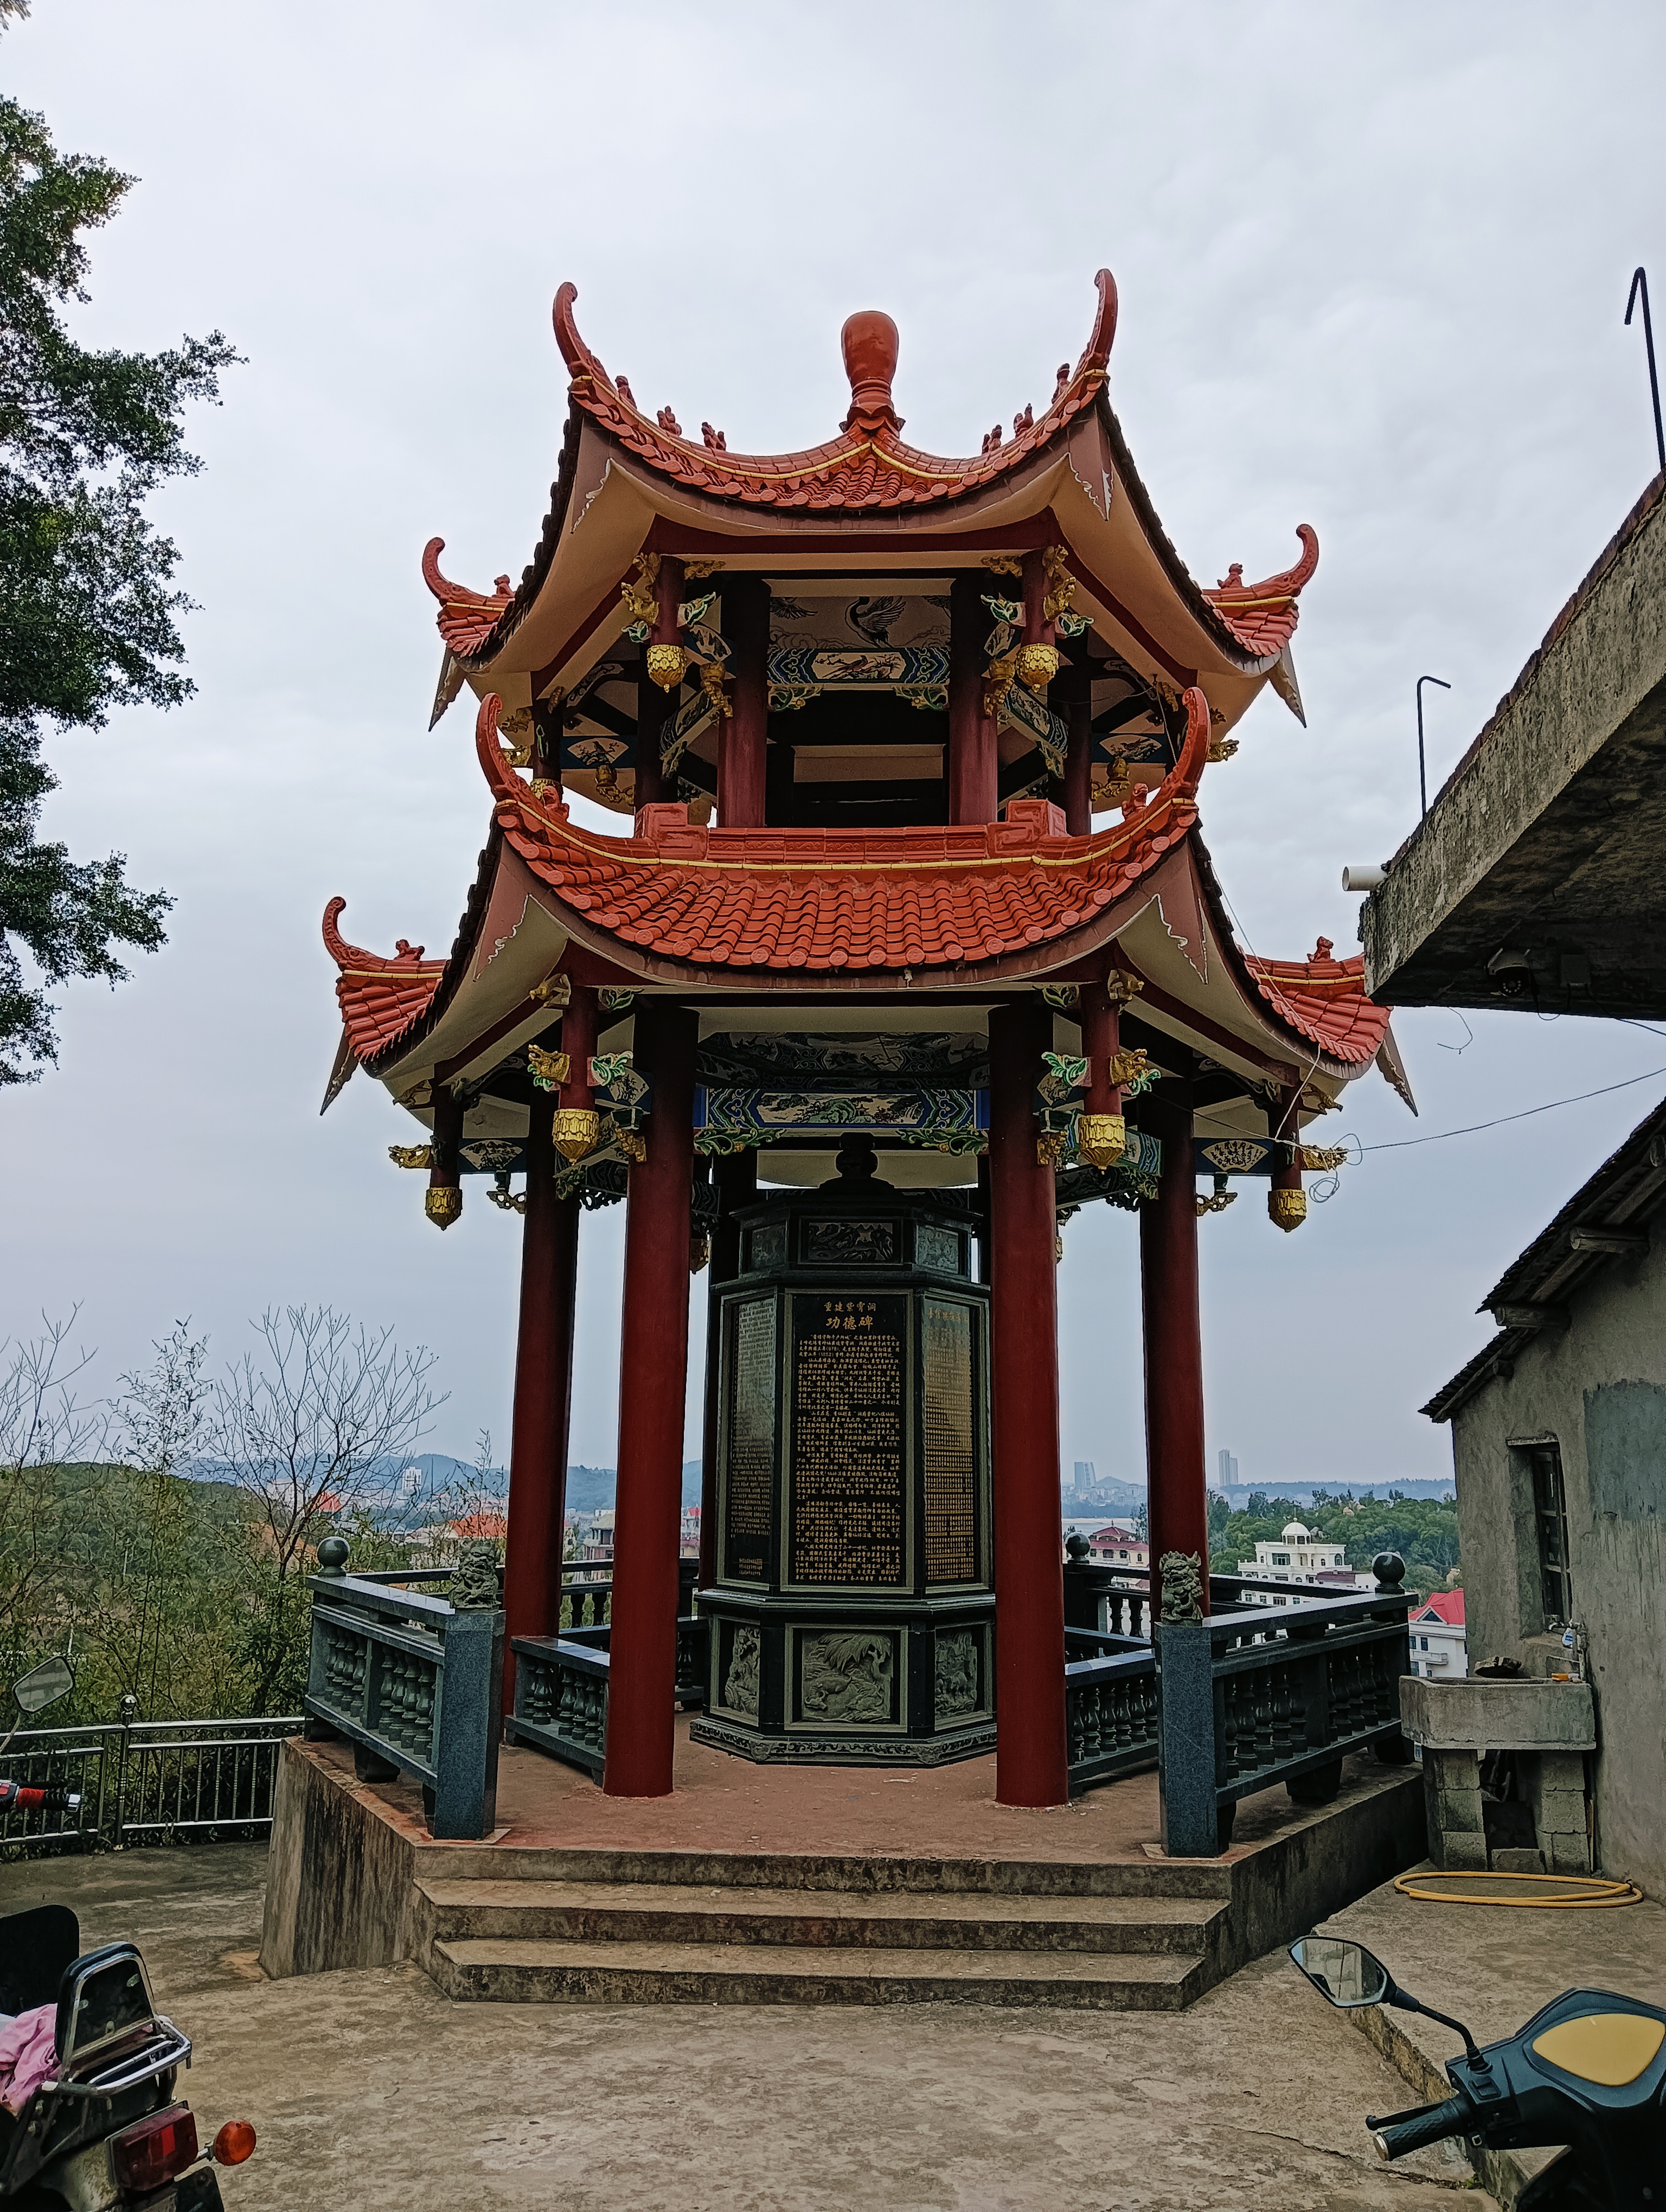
(1640, 287)
(1422, 774)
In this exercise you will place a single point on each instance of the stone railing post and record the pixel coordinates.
(1187, 1778)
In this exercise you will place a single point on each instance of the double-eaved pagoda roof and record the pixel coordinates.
(925, 922)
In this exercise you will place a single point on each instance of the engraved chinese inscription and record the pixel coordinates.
(950, 1454)
(749, 1438)
(848, 1447)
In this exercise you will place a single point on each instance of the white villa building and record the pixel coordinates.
(1300, 1555)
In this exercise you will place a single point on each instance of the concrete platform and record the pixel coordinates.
(1491, 1966)
(755, 1885)
(372, 2090)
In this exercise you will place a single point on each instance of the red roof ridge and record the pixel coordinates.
(1324, 1001)
(842, 902)
(867, 465)
(467, 616)
(353, 959)
(1445, 1604)
(380, 997)
(1263, 616)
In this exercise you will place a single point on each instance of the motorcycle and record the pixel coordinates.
(1588, 2071)
(103, 2130)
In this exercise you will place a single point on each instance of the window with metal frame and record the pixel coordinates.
(1550, 1527)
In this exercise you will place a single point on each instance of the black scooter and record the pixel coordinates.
(1588, 2071)
(106, 2129)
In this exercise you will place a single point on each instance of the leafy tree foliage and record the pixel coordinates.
(91, 611)
(1423, 1530)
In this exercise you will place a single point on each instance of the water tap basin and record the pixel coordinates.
(1533, 1714)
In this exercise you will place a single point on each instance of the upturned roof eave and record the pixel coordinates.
(541, 617)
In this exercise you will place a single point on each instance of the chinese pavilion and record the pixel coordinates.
(907, 947)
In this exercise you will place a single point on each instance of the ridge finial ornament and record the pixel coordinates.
(870, 343)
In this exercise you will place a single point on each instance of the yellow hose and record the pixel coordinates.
(1575, 1891)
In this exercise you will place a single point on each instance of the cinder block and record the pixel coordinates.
(1559, 1813)
(1466, 1853)
(1566, 1855)
(1451, 1770)
(1561, 1770)
(1518, 1861)
(1458, 1812)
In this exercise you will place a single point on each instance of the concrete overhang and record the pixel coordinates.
(1537, 879)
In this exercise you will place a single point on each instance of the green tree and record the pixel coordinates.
(91, 611)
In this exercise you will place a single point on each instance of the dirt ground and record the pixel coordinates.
(370, 2090)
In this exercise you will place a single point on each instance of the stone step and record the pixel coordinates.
(821, 1871)
(665, 1912)
(546, 1971)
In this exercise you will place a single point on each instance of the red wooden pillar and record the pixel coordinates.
(743, 736)
(973, 767)
(654, 1353)
(654, 706)
(442, 1201)
(1287, 1201)
(1030, 1758)
(651, 711)
(543, 1397)
(1079, 753)
(1177, 1493)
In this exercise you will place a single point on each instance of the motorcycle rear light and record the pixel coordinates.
(233, 2143)
(153, 2151)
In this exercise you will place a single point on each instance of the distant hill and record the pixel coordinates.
(592, 1489)
(1238, 1494)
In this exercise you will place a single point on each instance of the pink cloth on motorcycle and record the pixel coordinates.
(27, 2055)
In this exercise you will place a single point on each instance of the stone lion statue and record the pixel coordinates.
(474, 1579)
(1183, 1586)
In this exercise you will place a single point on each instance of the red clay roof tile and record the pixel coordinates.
(380, 998)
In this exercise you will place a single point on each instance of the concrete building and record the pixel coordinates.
(1119, 1545)
(1438, 1646)
(1535, 882)
(1559, 1440)
(1300, 1555)
(1227, 1468)
(596, 1538)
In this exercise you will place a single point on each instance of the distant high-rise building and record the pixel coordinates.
(1084, 1477)
(1229, 1469)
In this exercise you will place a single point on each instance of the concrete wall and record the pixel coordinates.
(1583, 685)
(1599, 1388)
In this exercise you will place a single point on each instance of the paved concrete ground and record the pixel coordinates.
(721, 1804)
(1493, 1966)
(371, 2090)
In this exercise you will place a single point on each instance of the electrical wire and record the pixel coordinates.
(1404, 1144)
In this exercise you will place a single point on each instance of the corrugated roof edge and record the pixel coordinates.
(1519, 1279)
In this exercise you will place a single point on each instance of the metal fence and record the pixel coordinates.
(146, 1782)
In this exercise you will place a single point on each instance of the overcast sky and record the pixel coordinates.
(1373, 262)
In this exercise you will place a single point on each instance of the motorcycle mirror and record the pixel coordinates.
(43, 1686)
(1346, 1974)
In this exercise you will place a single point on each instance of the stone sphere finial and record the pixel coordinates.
(1390, 1569)
(870, 343)
(332, 1556)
